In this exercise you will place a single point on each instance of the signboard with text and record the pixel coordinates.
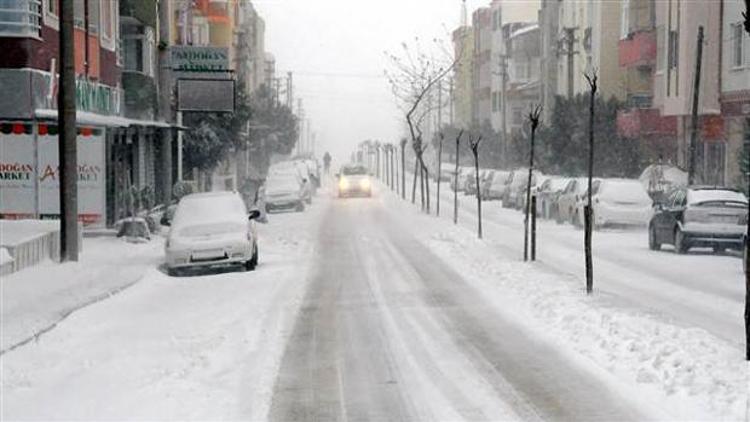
(22, 173)
(185, 58)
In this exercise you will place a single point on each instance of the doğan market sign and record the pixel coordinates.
(199, 59)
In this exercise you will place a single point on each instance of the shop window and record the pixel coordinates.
(20, 18)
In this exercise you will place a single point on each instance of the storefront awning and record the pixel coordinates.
(93, 119)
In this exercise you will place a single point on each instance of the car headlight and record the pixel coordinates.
(365, 184)
(343, 184)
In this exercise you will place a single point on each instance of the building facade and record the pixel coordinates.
(735, 90)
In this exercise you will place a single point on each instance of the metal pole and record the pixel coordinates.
(694, 116)
(533, 228)
(67, 148)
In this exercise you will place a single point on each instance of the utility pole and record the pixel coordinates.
(165, 98)
(746, 18)
(289, 90)
(570, 51)
(694, 117)
(67, 148)
(503, 109)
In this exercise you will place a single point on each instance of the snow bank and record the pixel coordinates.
(39, 296)
(5, 257)
(13, 232)
(686, 371)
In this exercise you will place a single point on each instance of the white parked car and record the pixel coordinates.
(284, 192)
(618, 202)
(212, 229)
(498, 185)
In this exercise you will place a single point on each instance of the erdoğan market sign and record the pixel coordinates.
(186, 58)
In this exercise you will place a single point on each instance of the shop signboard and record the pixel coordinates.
(29, 175)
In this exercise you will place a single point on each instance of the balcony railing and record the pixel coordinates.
(639, 49)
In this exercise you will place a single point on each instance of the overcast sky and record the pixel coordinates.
(336, 50)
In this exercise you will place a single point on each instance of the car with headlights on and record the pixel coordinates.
(211, 229)
(354, 181)
(696, 216)
(284, 192)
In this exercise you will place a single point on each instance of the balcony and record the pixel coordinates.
(637, 123)
(639, 49)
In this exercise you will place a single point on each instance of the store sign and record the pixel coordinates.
(199, 59)
(26, 190)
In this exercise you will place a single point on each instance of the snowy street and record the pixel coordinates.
(354, 314)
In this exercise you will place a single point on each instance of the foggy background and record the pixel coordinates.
(336, 50)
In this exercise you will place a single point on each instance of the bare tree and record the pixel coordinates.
(534, 120)
(474, 145)
(412, 76)
(439, 170)
(587, 211)
(455, 179)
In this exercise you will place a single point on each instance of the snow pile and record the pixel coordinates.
(5, 257)
(38, 297)
(686, 371)
(13, 232)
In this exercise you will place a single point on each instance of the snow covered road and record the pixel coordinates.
(389, 332)
(365, 309)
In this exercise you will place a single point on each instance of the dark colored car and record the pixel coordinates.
(710, 217)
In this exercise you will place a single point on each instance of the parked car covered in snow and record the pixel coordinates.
(617, 202)
(567, 200)
(515, 195)
(211, 229)
(700, 217)
(498, 185)
(284, 192)
(458, 181)
(547, 194)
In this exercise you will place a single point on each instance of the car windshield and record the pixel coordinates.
(317, 210)
(625, 192)
(207, 209)
(354, 171)
(282, 184)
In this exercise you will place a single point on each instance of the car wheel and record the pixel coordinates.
(653, 244)
(173, 272)
(679, 242)
(253, 261)
(300, 207)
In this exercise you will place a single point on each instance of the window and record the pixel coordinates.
(737, 35)
(625, 19)
(20, 18)
(674, 49)
(138, 49)
(53, 7)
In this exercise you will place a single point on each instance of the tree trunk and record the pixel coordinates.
(414, 183)
(427, 186)
(455, 183)
(439, 173)
(588, 210)
(479, 194)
